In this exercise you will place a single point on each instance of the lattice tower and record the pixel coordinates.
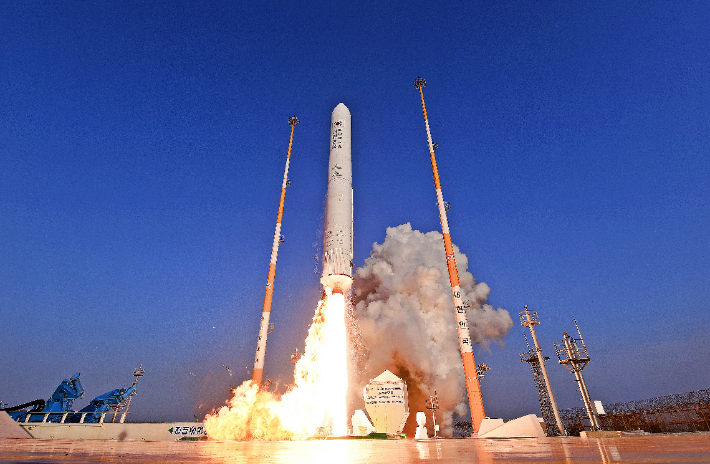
(546, 409)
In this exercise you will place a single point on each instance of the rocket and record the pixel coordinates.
(338, 234)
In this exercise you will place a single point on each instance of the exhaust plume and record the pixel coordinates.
(403, 306)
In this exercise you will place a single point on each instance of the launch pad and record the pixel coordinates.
(655, 448)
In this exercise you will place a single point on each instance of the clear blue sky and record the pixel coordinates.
(142, 148)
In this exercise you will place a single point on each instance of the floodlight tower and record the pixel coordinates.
(473, 387)
(265, 327)
(572, 353)
(534, 357)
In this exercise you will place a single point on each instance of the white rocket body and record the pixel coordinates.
(338, 235)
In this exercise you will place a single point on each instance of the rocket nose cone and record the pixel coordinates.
(341, 108)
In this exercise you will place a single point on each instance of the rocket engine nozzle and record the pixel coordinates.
(336, 284)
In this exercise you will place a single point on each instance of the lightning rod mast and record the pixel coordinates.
(534, 357)
(572, 353)
(473, 388)
(265, 327)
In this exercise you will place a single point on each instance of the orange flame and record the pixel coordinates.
(316, 404)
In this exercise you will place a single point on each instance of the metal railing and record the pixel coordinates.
(71, 415)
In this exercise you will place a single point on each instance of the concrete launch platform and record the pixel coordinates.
(686, 448)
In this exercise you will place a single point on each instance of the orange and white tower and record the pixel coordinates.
(473, 388)
(265, 328)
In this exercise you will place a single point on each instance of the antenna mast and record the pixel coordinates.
(265, 327)
(548, 405)
(572, 353)
(473, 388)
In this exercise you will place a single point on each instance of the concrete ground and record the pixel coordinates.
(677, 448)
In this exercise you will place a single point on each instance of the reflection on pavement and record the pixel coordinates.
(648, 448)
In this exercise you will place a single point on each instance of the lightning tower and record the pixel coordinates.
(572, 353)
(548, 405)
(473, 388)
(265, 327)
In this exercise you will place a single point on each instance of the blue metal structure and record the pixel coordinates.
(64, 396)
(58, 408)
(108, 402)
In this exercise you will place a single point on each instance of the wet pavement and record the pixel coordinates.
(679, 448)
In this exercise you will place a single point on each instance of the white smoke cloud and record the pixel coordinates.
(404, 310)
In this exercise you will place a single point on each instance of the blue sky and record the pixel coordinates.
(142, 148)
